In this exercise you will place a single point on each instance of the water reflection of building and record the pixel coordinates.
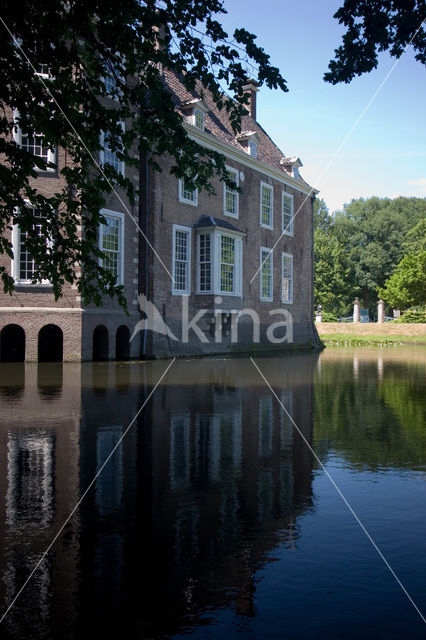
(39, 445)
(207, 482)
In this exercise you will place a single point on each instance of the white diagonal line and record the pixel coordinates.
(84, 494)
(341, 145)
(333, 482)
(95, 162)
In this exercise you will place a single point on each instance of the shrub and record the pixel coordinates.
(413, 315)
(328, 317)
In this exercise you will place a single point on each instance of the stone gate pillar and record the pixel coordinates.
(380, 311)
(356, 310)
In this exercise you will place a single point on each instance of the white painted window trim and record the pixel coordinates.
(262, 258)
(210, 291)
(108, 213)
(290, 301)
(121, 164)
(290, 230)
(51, 153)
(252, 148)
(235, 172)
(197, 110)
(194, 202)
(187, 290)
(238, 279)
(271, 188)
(16, 260)
(215, 251)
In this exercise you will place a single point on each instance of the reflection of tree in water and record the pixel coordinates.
(371, 423)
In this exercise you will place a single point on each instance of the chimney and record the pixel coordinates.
(251, 88)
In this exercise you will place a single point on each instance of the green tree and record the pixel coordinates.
(322, 217)
(416, 238)
(372, 27)
(373, 232)
(79, 42)
(406, 287)
(332, 274)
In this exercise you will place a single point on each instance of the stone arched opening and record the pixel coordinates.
(12, 343)
(50, 343)
(100, 343)
(122, 343)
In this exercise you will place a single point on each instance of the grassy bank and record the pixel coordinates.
(365, 334)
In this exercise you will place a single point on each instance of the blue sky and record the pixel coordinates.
(386, 153)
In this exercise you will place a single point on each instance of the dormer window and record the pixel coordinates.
(248, 140)
(199, 119)
(194, 112)
(252, 148)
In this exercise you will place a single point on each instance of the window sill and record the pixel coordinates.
(33, 287)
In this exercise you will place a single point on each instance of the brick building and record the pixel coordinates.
(217, 248)
(212, 255)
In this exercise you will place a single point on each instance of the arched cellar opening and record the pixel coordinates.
(50, 343)
(100, 343)
(122, 343)
(12, 344)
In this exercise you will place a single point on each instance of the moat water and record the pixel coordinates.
(217, 514)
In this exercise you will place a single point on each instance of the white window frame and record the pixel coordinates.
(263, 260)
(252, 148)
(291, 278)
(187, 290)
(121, 166)
(108, 213)
(290, 230)
(271, 190)
(238, 273)
(51, 153)
(15, 267)
(181, 191)
(215, 263)
(112, 88)
(211, 262)
(200, 113)
(226, 190)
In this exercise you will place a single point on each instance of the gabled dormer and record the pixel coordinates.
(194, 112)
(249, 141)
(291, 166)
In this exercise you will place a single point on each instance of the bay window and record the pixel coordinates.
(219, 263)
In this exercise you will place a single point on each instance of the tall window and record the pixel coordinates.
(265, 274)
(287, 278)
(252, 148)
(204, 262)
(111, 242)
(26, 267)
(37, 146)
(219, 263)
(199, 119)
(187, 193)
(230, 196)
(266, 200)
(181, 259)
(287, 214)
(108, 156)
(227, 264)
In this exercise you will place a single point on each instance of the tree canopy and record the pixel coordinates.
(78, 45)
(372, 27)
(361, 247)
